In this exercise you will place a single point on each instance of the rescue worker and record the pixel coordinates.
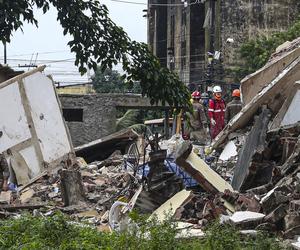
(216, 112)
(4, 173)
(198, 122)
(205, 99)
(234, 106)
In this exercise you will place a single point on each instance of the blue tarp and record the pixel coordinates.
(188, 181)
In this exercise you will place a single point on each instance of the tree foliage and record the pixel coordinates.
(110, 81)
(97, 40)
(256, 52)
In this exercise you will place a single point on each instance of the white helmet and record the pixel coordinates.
(217, 89)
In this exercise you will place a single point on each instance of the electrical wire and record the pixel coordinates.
(42, 61)
(43, 53)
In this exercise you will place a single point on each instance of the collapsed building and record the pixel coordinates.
(249, 177)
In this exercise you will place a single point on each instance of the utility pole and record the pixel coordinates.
(5, 59)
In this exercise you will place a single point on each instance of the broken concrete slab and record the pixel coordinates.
(170, 207)
(289, 113)
(34, 126)
(296, 245)
(273, 95)
(188, 230)
(102, 148)
(230, 150)
(252, 84)
(245, 217)
(255, 143)
(272, 199)
(5, 197)
(207, 178)
(26, 196)
(278, 214)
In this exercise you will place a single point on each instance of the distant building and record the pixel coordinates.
(184, 37)
(86, 88)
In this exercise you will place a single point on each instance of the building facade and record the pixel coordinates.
(92, 116)
(186, 34)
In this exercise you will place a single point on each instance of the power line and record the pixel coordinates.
(129, 2)
(42, 61)
(43, 53)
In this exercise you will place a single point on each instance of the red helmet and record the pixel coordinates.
(196, 95)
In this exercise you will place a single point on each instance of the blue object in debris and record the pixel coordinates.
(12, 187)
(188, 181)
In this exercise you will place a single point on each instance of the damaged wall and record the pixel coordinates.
(88, 117)
(32, 126)
(244, 19)
(91, 117)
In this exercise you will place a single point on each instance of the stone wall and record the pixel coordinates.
(99, 117)
(99, 113)
(246, 19)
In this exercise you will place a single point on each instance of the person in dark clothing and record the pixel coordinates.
(234, 106)
(198, 123)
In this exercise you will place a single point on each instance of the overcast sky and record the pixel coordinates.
(48, 41)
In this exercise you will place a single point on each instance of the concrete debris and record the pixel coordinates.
(188, 230)
(246, 169)
(296, 245)
(170, 207)
(34, 136)
(207, 178)
(230, 150)
(249, 177)
(242, 217)
(5, 197)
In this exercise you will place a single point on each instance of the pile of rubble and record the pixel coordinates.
(103, 183)
(253, 183)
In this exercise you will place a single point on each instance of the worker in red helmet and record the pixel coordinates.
(198, 123)
(234, 107)
(216, 112)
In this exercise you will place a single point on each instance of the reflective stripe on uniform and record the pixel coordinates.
(217, 110)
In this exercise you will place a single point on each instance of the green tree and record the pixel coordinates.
(110, 81)
(97, 40)
(256, 52)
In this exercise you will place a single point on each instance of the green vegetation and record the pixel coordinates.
(110, 81)
(58, 232)
(98, 42)
(256, 52)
